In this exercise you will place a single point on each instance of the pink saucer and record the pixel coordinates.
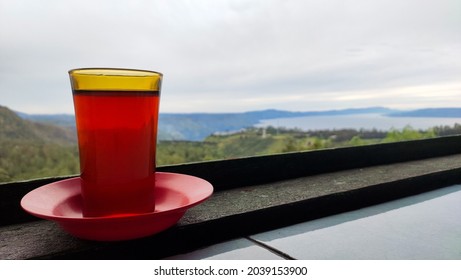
(61, 202)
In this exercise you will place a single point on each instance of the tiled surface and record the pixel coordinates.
(426, 226)
(238, 249)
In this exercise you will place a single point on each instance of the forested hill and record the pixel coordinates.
(13, 127)
(33, 150)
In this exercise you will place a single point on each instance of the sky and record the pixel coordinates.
(235, 55)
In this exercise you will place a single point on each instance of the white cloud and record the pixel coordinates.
(235, 55)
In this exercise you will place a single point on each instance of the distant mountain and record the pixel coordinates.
(430, 113)
(56, 119)
(197, 126)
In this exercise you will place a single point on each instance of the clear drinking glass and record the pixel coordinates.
(116, 114)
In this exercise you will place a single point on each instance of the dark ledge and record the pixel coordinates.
(251, 195)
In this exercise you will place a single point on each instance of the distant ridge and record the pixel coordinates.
(197, 126)
(56, 119)
(430, 113)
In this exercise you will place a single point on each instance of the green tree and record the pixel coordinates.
(408, 133)
(4, 176)
(356, 141)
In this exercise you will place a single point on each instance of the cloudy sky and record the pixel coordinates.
(235, 55)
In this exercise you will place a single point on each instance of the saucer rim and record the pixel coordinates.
(207, 192)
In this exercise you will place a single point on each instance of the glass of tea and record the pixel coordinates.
(116, 114)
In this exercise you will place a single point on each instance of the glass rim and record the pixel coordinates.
(107, 71)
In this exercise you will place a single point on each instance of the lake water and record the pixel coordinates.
(365, 121)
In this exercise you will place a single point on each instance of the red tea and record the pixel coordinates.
(117, 133)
